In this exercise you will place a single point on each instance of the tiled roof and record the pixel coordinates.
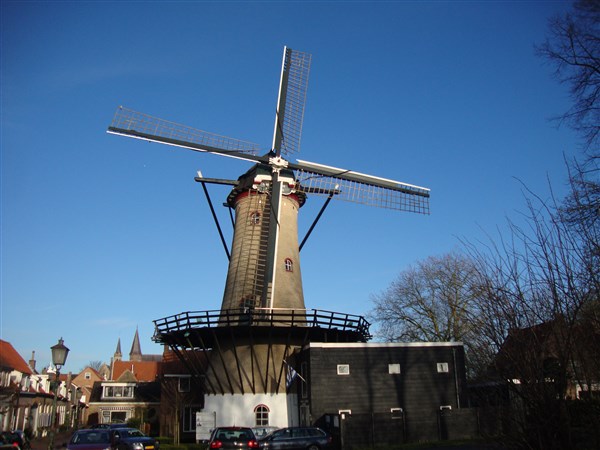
(10, 359)
(142, 370)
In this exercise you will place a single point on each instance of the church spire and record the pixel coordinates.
(136, 351)
(118, 355)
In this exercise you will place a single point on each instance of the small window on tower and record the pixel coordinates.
(255, 218)
(289, 265)
(247, 302)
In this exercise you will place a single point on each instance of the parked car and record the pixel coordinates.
(233, 438)
(90, 439)
(25, 444)
(8, 440)
(15, 439)
(110, 425)
(132, 439)
(261, 432)
(297, 438)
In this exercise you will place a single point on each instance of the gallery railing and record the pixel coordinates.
(265, 317)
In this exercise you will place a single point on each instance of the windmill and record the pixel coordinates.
(244, 347)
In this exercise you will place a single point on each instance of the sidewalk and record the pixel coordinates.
(41, 443)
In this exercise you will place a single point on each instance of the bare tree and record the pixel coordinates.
(435, 301)
(581, 208)
(537, 288)
(573, 48)
(96, 365)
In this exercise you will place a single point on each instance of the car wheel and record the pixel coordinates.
(313, 447)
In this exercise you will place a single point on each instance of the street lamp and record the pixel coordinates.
(59, 357)
(77, 394)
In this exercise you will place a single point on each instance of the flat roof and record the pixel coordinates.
(381, 344)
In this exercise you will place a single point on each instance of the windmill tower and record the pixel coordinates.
(245, 348)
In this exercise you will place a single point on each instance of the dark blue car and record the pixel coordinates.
(297, 438)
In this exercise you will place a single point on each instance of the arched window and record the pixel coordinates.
(254, 218)
(261, 413)
(289, 265)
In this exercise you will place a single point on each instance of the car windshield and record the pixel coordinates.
(234, 435)
(95, 437)
(131, 433)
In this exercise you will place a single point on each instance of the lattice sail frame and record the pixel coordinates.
(405, 198)
(294, 84)
(127, 120)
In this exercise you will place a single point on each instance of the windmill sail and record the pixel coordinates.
(292, 98)
(361, 188)
(130, 123)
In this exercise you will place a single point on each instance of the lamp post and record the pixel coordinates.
(59, 357)
(76, 399)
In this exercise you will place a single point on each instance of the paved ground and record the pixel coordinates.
(63, 438)
(42, 443)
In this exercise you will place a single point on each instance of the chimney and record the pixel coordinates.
(32, 362)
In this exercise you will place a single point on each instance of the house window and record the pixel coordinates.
(88, 375)
(394, 369)
(261, 414)
(189, 418)
(109, 416)
(184, 384)
(442, 367)
(396, 413)
(118, 391)
(254, 218)
(289, 265)
(343, 369)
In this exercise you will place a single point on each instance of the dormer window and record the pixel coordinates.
(289, 265)
(117, 391)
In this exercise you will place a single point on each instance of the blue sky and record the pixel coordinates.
(102, 234)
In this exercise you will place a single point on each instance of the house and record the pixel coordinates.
(26, 396)
(181, 398)
(15, 377)
(544, 384)
(131, 393)
(565, 357)
(83, 384)
(377, 393)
